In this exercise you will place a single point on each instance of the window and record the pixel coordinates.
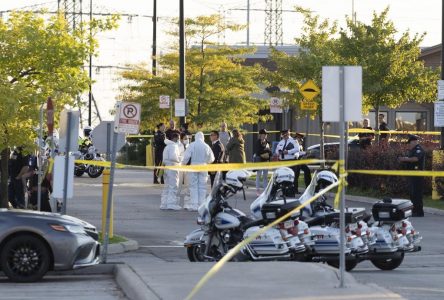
(416, 121)
(371, 117)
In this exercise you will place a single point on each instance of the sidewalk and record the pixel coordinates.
(147, 277)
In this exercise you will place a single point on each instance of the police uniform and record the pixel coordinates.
(159, 146)
(417, 182)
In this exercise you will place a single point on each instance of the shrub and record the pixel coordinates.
(385, 157)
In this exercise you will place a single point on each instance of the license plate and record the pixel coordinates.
(288, 224)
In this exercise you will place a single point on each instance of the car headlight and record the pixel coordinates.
(69, 228)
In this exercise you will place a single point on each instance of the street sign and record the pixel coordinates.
(127, 118)
(331, 93)
(440, 90)
(100, 139)
(309, 105)
(180, 108)
(73, 130)
(275, 105)
(164, 101)
(309, 90)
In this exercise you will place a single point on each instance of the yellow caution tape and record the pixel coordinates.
(210, 167)
(363, 130)
(218, 266)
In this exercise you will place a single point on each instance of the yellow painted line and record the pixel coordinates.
(232, 252)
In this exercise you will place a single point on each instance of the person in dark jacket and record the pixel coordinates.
(171, 130)
(262, 154)
(307, 173)
(159, 146)
(366, 138)
(218, 152)
(415, 160)
(384, 137)
(236, 148)
(18, 167)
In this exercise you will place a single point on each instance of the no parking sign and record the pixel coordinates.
(127, 118)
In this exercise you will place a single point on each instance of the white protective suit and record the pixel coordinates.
(183, 176)
(171, 157)
(200, 154)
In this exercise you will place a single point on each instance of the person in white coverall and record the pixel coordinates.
(197, 153)
(171, 157)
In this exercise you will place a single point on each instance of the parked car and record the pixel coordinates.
(331, 149)
(33, 243)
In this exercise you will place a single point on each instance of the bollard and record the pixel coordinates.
(105, 186)
(149, 155)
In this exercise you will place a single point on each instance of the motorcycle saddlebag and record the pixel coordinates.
(352, 215)
(273, 210)
(392, 210)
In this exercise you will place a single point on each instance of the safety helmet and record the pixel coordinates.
(87, 130)
(325, 178)
(283, 174)
(236, 178)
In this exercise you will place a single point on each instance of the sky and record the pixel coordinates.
(131, 43)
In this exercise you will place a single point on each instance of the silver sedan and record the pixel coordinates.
(32, 243)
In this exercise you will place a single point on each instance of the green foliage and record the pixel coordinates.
(392, 72)
(39, 58)
(318, 47)
(218, 87)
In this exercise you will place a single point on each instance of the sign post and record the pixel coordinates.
(127, 121)
(342, 102)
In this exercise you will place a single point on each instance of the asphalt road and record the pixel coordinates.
(161, 233)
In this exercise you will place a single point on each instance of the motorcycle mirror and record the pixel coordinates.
(243, 192)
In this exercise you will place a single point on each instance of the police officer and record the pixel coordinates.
(415, 160)
(159, 146)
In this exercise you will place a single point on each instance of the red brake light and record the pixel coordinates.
(296, 222)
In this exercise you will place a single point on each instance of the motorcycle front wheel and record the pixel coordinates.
(389, 263)
(196, 253)
(94, 171)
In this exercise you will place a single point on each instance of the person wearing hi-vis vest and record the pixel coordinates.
(288, 149)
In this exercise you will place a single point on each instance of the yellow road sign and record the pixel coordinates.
(309, 105)
(309, 90)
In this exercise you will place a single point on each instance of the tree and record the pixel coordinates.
(392, 71)
(38, 58)
(219, 87)
(318, 46)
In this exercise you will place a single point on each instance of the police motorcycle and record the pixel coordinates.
(87, 151)
(223, 227)
(388, 238)
(320, 241)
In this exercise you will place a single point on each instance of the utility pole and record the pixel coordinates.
(90, 67)
(182, 84)
(442, 64)
(154, 57)
(248, 23)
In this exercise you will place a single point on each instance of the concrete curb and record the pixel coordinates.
(132, 285)
(129, 245)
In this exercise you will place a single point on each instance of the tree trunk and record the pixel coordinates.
(4, 178)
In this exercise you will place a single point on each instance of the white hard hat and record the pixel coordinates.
(283, 174)
(237, 177)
